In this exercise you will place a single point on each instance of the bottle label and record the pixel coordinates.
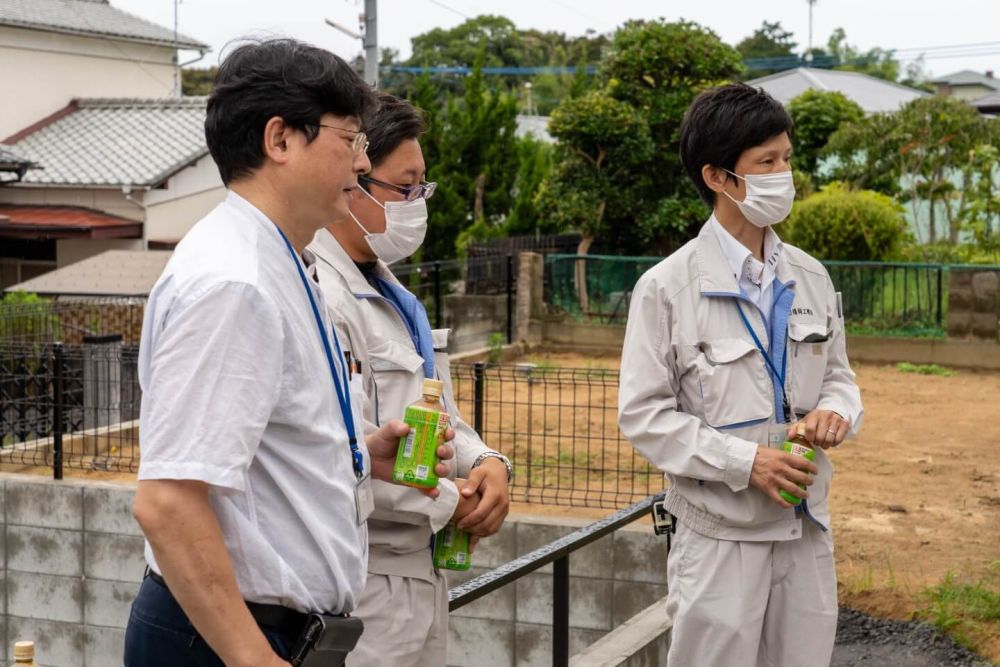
(417, 454)
(451, 549)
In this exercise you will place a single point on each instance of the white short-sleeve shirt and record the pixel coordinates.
(237, 394)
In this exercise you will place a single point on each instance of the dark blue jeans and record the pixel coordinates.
(160, 635)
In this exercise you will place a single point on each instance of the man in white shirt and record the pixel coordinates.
(732, 343)
(254, 484)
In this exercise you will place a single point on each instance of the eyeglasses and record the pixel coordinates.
(409, 192)
(360, 143)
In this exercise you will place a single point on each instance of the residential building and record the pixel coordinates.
(870, 93)
(967, 85)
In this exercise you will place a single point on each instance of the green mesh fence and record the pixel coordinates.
(609, 281)
(878, 298)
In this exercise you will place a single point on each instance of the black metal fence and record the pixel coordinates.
(559, 427)
(557, 553)
(490, 275)
(69, 406)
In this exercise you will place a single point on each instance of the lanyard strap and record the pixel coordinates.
(343, 394)
(780, 377)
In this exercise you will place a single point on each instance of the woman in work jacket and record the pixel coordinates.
(731, 341)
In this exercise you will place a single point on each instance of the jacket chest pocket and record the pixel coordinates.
(397, 374)
(808, 348)
(735, 387)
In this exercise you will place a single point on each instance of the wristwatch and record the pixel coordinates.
(495, 455)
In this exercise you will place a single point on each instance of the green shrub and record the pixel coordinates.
(840, 224)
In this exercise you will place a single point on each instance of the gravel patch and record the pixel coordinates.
(863, 641)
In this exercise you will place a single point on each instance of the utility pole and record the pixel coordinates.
(370, 42)
(177, 56)
(809, 54)
(368, 26)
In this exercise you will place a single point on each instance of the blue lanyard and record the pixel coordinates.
(780, 377)
(343, 394)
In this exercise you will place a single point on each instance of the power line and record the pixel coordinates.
(449, 8)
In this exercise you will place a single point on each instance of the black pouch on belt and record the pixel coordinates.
(326, 640)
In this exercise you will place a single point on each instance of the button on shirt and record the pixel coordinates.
(236, 394)
(755, 278)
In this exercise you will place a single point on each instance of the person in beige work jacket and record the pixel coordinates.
(731, 341)
(405, 602)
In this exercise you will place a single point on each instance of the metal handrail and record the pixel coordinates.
(556, 552)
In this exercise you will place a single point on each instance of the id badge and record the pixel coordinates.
(777, 434)
(364, 498)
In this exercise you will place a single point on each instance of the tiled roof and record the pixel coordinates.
(62, 222)
(114, 142)
(111, 273)
(90, 17)
(967, 77)
(871, 94)
(12, 166)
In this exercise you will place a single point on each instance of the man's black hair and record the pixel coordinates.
(722, 123)
(393, 122)
(287, 78)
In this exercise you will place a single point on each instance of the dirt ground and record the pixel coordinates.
(915, 497)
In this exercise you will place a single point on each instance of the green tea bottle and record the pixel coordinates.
(451, 548)
(801, 446)
(417, 454)
(24, 654)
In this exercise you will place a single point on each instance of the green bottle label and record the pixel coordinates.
(417, 454)
(451, 549)
(800, 450)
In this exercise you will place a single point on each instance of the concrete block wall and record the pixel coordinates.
(611, 580)
(72, 563)
(973, 303)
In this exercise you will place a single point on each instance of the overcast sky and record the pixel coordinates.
(907, 25)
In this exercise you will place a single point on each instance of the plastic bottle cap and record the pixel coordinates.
(433, 387)
(801, 429)
(24, 650)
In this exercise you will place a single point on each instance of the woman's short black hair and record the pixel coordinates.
(393, 122)
(286, 78)
(722, 123)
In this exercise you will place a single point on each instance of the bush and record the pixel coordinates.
(840, 224)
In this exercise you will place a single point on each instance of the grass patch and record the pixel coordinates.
(890, 330)
(925, 369)
(965, 610)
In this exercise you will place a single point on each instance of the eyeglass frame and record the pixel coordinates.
(424, 190)
(358, 145)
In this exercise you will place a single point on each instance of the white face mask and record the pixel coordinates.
(405, 228)
(769, 197)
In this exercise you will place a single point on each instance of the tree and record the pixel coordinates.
(770, 41)
(601, 140)
(817, 115)
(919, 153)
(658, 68)
(470, 152)
(877, 62)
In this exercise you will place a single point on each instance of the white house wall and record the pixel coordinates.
(45, 70)
(171, 220)
(70, 251)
